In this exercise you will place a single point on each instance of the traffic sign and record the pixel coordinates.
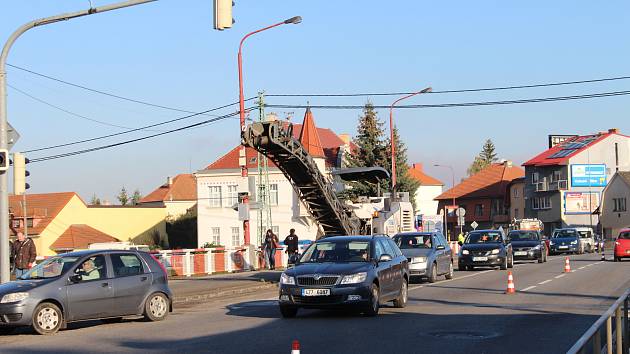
(12, 136)
(474, 225)
(460, 212)
(460, 220)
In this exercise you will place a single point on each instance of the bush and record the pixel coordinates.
(182, 232)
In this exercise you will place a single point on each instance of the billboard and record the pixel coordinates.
(578, 202)
(588, 175)
(432, 223)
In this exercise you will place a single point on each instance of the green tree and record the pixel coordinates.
(135, 198)
(484, 159)
(369, 152)
(404, 181)
(123, 197)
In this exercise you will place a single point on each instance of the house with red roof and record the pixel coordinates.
(220, 182)
(483, 196)
(564, 183)
(178, 195)
(429, 189)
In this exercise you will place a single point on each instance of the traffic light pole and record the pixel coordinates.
(4, 138)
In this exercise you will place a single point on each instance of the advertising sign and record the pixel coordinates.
(432, 222)
(588, 175)
(578, 202)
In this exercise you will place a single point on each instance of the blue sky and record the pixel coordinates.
(167, 53)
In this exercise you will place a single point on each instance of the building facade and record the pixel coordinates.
(614, 214)
(563, 185)
(516, 202)
(429, 189)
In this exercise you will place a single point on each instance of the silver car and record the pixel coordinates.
(428, 253)
(86, 285)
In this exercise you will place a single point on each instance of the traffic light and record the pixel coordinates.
(4, 159)
(20, 173)
(223, 14)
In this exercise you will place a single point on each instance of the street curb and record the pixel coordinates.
(204, 297)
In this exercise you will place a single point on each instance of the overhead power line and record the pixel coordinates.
(500, 88)
(133, 130)
(101, 92)
(462, 104)
(84, 151)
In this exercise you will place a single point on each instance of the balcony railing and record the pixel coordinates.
(542, 186)
(560, 185)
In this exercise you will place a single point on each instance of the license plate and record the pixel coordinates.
(480, 259)
(520, 253)
(315, 292)
(563, 247)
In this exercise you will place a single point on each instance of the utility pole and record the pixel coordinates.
(4, 185)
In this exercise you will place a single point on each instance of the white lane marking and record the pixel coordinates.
(545, 282)
(559, 276)
(416, 287)
(449, 280)
(582, 267)
(529, 288)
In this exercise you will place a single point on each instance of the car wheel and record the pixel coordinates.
(47, 318)
(288, 311)
(402, 299)
(461, 267)
(112, 320)
(156, 307)
(373, 308)
(433, 275)
(449, 275)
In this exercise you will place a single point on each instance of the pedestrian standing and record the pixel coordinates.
(291, 241)
(24, 253)
(269, 248)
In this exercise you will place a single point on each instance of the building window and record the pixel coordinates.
(497, 207)
(29, 222)
(216, 235)
(15, 223)
(515, 192)
(479, 210)
(515, 213)
(555, 176)
(236, 237)
(541, 203)
(232, 194)
(215, 196)
(619, 204)
(273, 194)
(535, 177)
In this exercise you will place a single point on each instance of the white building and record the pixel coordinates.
(614, 214)
(219, 183)
(430, 188)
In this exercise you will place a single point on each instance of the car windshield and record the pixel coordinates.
(337, 251)
(413, 241)
(484, 237)
(50, 268)
(564, 233)
(624, 236)
(584, 234)
(523, 236)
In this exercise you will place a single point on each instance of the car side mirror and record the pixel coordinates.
(440, 247)
(76, 278)
(385, 258)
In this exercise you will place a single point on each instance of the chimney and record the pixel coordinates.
(613, 131)
(345, 138)
(169, 181)
(417, 166)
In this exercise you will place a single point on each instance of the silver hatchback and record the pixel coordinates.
(428, 253)
(86, 285)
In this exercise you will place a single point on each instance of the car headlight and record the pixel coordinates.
(354, 278)
(495, 251)
(13, 297)
(418, 259)
(537, 247)
(465, 252)
(287, 279)
(574, 242)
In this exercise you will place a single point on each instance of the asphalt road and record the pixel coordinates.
(469, 314)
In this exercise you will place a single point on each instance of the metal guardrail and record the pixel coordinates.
(606, 335)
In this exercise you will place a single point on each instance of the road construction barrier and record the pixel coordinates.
(295, 347)
(567, 265)
(510, 285)
(610, 333)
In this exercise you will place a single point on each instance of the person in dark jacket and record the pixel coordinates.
(269, 248)
(291, 241)
(24, 253)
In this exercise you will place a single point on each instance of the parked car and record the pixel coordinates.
(587, 239)
(565, 241)
(528, 245)
(86, 285)
(622, 245)
(428, 254)
(358, 272)
(485, 248)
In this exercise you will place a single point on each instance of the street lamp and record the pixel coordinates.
(453, 185)
(391, 134)
(241, 101)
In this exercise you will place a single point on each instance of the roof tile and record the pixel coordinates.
(182, 187)
(492, 181)
(80, 236)
(43, 207)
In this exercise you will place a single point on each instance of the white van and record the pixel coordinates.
(118, 246)
(587, 239)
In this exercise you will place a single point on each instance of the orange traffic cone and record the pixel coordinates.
(567, 266)
(295, 347)
(510, 288)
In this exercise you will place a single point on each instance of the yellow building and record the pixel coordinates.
(61, 222)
